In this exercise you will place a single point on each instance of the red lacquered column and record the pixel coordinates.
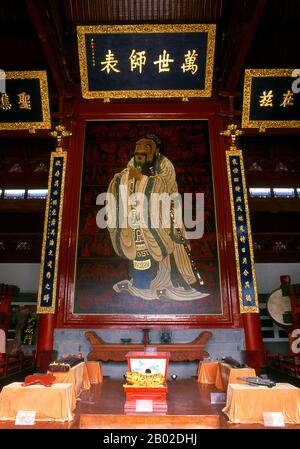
(255, 355)
(47, 323)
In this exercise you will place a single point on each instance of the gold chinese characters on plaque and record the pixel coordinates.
(138, 61)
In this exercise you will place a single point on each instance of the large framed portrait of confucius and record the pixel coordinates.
(148, 240)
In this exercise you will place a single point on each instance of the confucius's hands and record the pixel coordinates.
(135, 173)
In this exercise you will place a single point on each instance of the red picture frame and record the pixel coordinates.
(67, 316)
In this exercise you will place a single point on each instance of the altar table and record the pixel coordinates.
(207, 372)
(77, 375)
(246, 403)
(94, 372)
(230, 375)
(55, 403)
(222, 374)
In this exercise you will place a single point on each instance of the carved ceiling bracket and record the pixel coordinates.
(59, 133)
(232, 132)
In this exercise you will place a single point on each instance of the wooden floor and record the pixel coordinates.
(189, 407)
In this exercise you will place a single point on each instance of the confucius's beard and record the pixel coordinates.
(146, 167)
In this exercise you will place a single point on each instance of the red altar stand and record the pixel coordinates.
(147, 399)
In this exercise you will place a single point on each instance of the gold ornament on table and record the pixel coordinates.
(233, 132)
(59, 133)
(144, 380)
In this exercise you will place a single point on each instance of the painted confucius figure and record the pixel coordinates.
(160, 266)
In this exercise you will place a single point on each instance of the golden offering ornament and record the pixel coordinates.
(135, 379)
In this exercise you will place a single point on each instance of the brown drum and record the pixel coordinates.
(279, 308)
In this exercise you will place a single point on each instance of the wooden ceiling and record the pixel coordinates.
(250, 33)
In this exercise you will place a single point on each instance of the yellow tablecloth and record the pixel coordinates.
(94, 372)
(229, 375)
(222, 374)
(246, 403)
(78, 376)
(53, 403)
(207, 372)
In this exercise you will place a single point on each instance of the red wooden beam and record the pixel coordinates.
(243, 43)
(37, 14)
